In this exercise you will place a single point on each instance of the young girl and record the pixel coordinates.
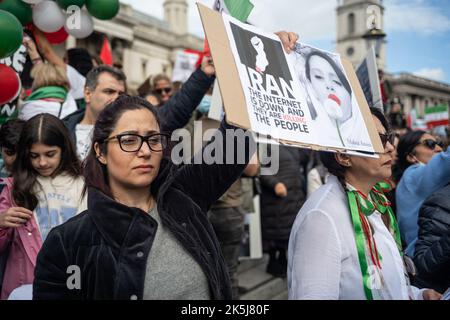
(45, 191)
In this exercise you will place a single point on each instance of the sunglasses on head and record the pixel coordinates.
(165, 90)
(387, 137)
(431, 144)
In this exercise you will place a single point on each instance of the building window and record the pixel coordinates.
(351, 23)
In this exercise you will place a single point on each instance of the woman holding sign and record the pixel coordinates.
(345, 242)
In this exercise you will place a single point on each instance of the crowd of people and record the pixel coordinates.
(88, 186)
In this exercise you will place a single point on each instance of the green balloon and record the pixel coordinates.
(10, 33)
(103, 9)
(20, 9)
(67, 3)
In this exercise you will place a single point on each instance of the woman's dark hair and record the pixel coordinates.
(329, 158)
(10, 134)
(49, 130)
(333, 64)
(96, 173)
(406, 146)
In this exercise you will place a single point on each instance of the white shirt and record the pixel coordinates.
(83, 133)
(59, 199)
(322, 256)
(77, 82)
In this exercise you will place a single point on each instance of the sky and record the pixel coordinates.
(418, 31)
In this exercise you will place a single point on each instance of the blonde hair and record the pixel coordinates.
(47, 74)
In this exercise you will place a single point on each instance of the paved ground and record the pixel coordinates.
(259, 285)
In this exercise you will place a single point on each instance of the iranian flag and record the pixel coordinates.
(239, 9)
(436, 116)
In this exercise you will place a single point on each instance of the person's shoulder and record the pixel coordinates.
(74, 117)
(440, 198)
(328, 199)
(73, 73)
(76, 228)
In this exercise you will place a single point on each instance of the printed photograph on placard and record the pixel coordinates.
(274, 100)
(331, 99)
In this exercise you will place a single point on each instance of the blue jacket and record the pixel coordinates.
(418, 183)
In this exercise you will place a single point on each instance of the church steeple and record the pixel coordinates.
(354, 19)
(175, 12)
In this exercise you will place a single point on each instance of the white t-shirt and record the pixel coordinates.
(83, 133)
(77, 82)
(59, 199)
(323, 259)
(29, 109)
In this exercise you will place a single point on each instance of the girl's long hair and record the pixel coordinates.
(48, 130)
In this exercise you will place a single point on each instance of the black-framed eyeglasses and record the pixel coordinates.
(431, 144)
(165, 90)
(387, 137)
(131, 142)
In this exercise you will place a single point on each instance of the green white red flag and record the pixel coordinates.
(239, 9)
(437, 116)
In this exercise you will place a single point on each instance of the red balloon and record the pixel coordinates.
(57, 37)
(9, 83)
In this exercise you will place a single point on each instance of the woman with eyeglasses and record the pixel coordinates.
(145, 234)
(422, 169)
(345, 243)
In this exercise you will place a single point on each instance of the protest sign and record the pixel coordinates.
(185, 63)
(280, 95)
(367, 73)
(216, 111)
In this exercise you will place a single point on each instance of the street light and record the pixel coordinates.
(374, 38)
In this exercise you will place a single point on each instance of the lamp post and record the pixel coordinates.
(374, 38)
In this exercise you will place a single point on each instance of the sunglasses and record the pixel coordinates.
(165, 90)
(431, 144)
(387, 137)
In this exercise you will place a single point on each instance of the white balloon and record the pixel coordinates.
(32, 1)
(79, 24)
(48, 16)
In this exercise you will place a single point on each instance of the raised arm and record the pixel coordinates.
(47, 50)
(431, 177)
(177, 112)
(223, 160)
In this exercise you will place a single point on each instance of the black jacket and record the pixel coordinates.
(175, 113)
(432, 252)
(278, 214)
(110, 242)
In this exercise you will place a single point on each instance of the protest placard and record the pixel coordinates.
(185, 63)
(283, 96)
(367, 73)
